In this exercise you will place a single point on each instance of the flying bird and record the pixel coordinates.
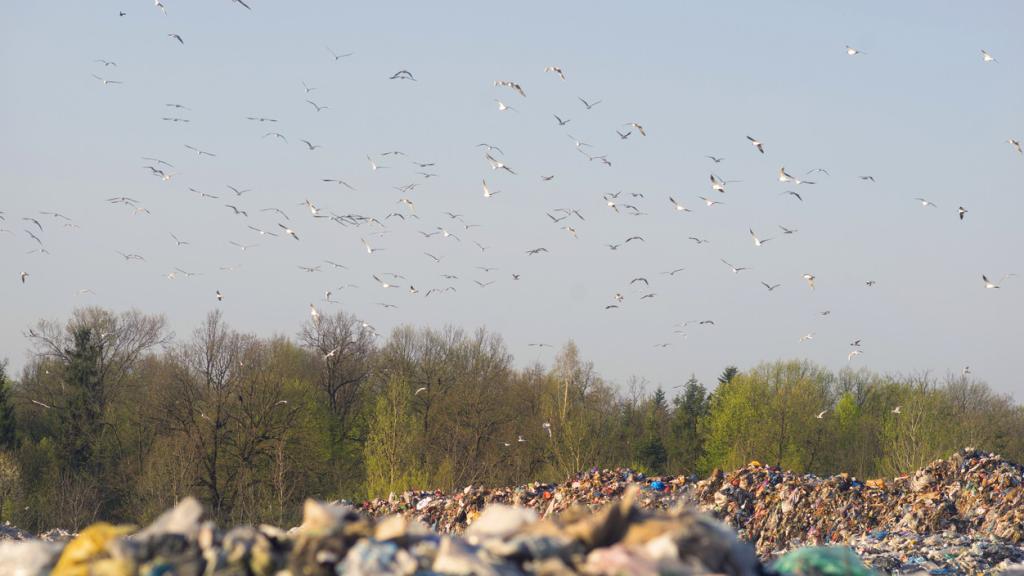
(1016, 145)
(556, 70)
(810, 280)
(757, 144)
(961, 211)
(986, 57)
(178, 38)
(926, 203)
(589, 105)
(853, 51)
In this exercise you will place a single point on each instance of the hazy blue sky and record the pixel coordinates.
(919, 111)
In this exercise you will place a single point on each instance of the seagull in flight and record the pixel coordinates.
(556, 70)
(310, 145)
(1015, 144)
(317, 106)
(810, 280)
(757, 241)
(179, 242)
(105, 81)
(24, 276)
(402, 75)
(851, 51)
(785, 177)
(487, 191)
(636, 127)
(560, 121)
(339, 56)
(384, 284)
(679, 207)
(990, 284)
(788, 230)
(961, 211)
(715, 159)
(735, 269)
(589, 105)
(821, 414)
(177, 37)
(496, 164)
(867, 178)
(897, 409)
(757, 144)
(369, 249)
(853, 354)
(926, 203)
(199, 152)
(709, 201)
(288, 231)
(770, 287)
(986, 57)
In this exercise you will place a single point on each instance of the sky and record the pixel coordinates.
(918, 110)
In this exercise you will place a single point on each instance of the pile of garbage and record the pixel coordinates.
(621, 538)
(960, 515)
(963, 515)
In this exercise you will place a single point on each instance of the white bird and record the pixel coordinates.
(757, 241)
(810, 280)
(288, 231)
(178, 38)
(487, 191)
(990, 284)
(556, 70)
(384, 284)
(709, 202)
(420, 389)
(896, 410)
(806, 337)
(821, 414)
(679, 207)
(757, 144)
(105, 81)
(38, 403)
(852, 354)
(1015, 144)
(926, 203)
(735, 269)
(547, 428)
(369, 249)
(986, 57)
(589, 105)
(502, 107)
(785, 177)
(220, 296)
(314, 314)
(853, 51)
(160, 5)
(24, 276)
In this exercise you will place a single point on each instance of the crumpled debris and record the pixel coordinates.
(335, 539)
(962, 515)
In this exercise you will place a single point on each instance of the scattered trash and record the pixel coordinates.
(964, 515)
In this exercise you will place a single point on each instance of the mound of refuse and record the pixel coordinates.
(963, 515)
(620, 538)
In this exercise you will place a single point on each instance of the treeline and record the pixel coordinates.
(115, 418)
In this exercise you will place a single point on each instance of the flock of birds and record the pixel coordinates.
(281, 223)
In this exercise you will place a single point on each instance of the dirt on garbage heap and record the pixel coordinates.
(964, 515)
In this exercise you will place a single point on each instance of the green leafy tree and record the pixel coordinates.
(8, 423)
(687, 444)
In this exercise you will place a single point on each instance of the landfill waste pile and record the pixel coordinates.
(964, 515)
(620, 538)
